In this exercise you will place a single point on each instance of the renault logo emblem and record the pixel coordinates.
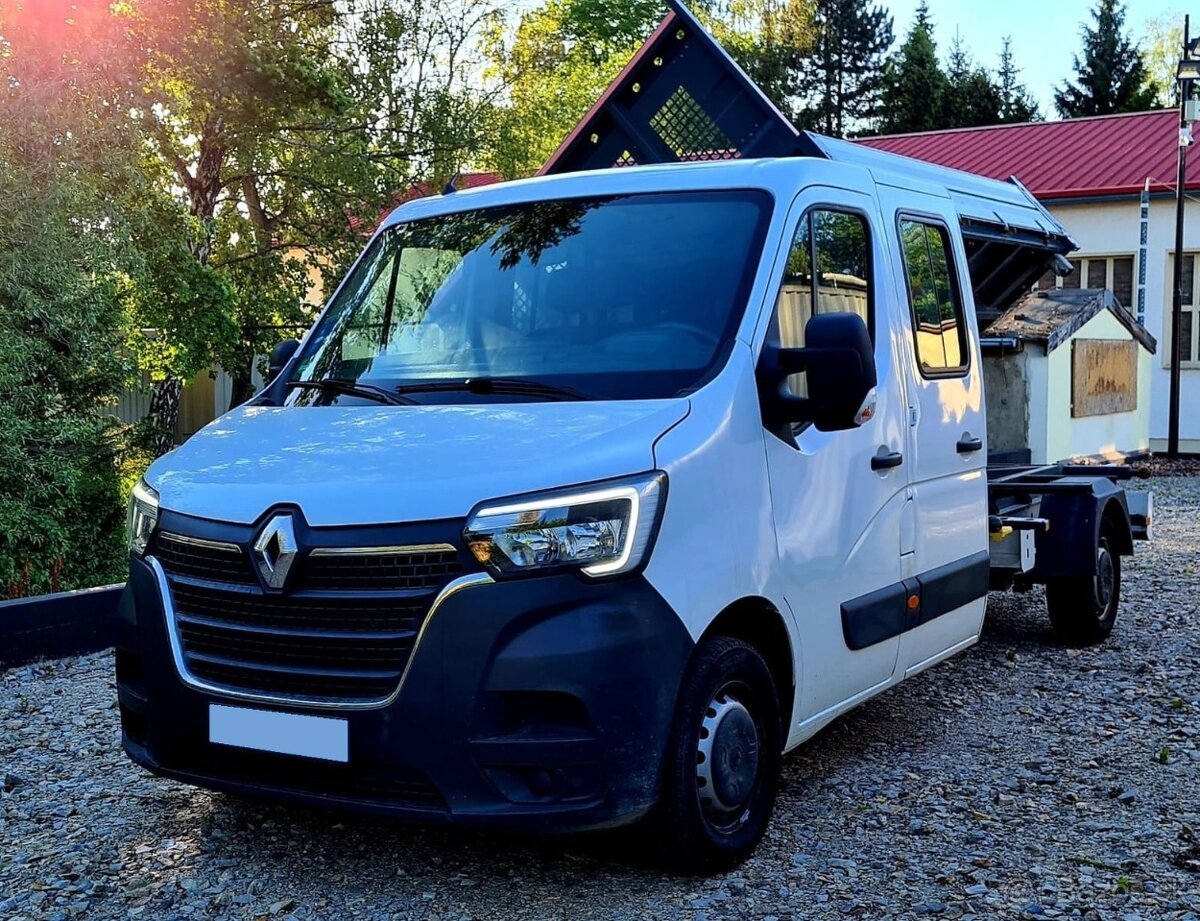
(275, 550)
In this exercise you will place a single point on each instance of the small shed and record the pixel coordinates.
(1067, 377)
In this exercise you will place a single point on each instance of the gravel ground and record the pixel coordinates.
(1022, 780)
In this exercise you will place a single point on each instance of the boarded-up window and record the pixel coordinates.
(1122, 281)
(1097, 273)
(1103, 377)
(1185, 336)
(1072, 280)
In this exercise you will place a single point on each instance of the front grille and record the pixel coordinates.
(202, 559)
(383, 570)
(337, 637)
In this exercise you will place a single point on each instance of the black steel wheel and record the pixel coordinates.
(723, 759)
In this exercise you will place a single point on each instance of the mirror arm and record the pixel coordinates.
(778, 364)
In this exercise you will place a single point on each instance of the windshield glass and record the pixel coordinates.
(628, 297)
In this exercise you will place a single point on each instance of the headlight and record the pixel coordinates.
(601, 530)
(143, 516)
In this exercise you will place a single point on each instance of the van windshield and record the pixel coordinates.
(631, 297)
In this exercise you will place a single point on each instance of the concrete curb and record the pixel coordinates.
(56, 626)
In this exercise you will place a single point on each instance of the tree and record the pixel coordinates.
(915, 85)
(276, 132)
(841, 82)
(970, 98)
(1016, 105)
(1163, 43)
(62, 255)
(1111, 76)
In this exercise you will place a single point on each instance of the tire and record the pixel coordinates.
(1083, 609)
(723, 760)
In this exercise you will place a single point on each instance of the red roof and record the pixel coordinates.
(1081, 157)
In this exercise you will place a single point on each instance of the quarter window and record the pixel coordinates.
(938, 324)
(838, 244)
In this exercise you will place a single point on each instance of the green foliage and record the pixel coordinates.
(552, 81)
(61, 255)
(1016, 105)
(970, 98)
(1163, 44)
(273, 133)
(1110, 76)
(841, 80)
(916, 86)
(922, 96)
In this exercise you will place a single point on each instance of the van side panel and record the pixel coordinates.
(716, 545)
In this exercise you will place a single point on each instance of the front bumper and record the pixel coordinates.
(541, 703)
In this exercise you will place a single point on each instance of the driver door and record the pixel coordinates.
(839, 513)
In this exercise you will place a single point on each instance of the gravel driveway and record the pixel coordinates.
(1022, 780)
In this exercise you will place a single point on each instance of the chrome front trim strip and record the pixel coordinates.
(164, 590)
(200, 542)
(384, 551)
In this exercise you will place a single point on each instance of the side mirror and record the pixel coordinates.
(839, 364)
(280, 356)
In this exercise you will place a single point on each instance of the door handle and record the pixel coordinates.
(969, 445)
(886, 460)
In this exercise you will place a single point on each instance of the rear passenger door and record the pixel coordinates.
(946, 429)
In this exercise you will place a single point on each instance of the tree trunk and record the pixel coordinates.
(164, 414)
(243, 387)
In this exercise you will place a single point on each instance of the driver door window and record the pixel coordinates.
(838, 244)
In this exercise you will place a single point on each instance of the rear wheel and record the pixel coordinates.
(722, 769)
(1083, 609)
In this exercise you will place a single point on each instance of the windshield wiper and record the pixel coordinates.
(502, 385)
(339, 386)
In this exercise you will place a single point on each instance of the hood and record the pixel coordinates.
(377, 465)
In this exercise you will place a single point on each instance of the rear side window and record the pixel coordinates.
(838, 244)
(938, 324)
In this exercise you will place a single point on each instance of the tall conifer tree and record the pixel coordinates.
(842, 79)
(1110, 77)
(916, 85)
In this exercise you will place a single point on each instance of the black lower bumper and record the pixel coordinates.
(542, 704)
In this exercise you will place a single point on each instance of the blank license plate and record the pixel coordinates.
(283, 733)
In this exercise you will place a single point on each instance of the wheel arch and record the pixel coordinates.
(1115, 519)
(758, 622)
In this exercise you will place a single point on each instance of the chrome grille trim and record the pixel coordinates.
(225, 546)
(408, 550)
(470, 580)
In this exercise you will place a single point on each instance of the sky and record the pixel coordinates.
(1045, 33)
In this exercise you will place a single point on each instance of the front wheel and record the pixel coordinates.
(723, 759)
(1083, 609)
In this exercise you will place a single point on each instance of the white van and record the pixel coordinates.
(589, 496)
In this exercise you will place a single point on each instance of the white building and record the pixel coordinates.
(1091, 173)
